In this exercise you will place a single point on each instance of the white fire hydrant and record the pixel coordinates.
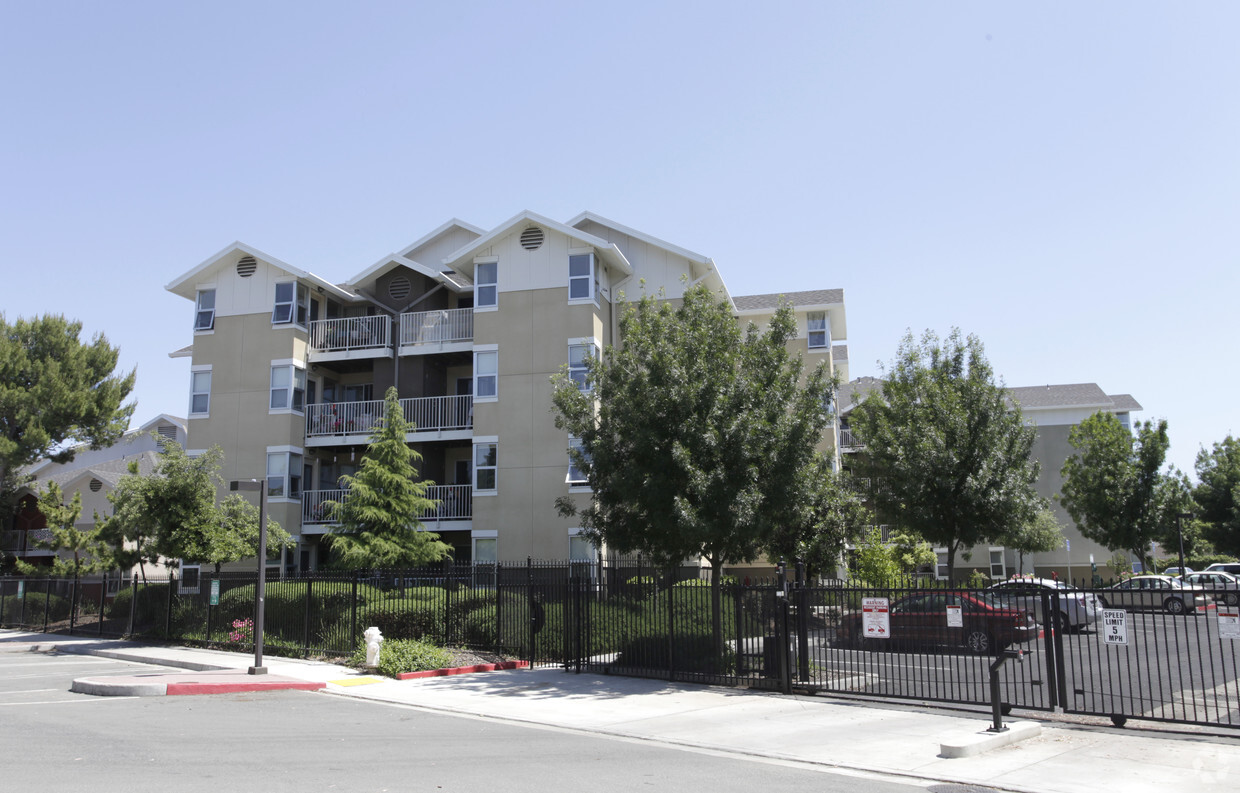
(374, 641)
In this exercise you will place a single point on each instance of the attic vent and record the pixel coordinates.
(399, 288)
(167, 432)
(246, 266)
(532, 238)
(95, 485)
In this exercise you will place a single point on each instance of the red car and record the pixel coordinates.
(987, 625)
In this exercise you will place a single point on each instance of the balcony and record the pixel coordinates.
(351, 423)
(350, 338)
(849, 441)
(455, 503)
(426, 332)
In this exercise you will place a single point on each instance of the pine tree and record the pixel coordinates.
(379, 516)
(89, 553)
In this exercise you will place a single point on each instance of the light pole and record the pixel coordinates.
(1179, 529)
(260, 588)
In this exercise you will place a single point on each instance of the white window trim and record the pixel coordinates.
(825, 330)
(289, 363)
(286, 450)
(202, 368)
(598, 352)
(485, 348)
(937, 575)
(483, 440)
(486, 260)
(181, 588)
(214, 312)
(574, 485)
(595, 277)
(1002, 562)
(484, 534)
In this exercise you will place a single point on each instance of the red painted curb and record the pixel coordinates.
(463, 670)
(183, 689)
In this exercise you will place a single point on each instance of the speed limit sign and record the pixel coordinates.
(1115, 626)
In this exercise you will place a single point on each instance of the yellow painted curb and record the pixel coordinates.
(355, 681)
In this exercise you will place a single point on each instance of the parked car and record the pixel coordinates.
(987, 624)
(1231, 568)
(1176, 572)
(1153, 592)
(1077, 609)
(1221, 586)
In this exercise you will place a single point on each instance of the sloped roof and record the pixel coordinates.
(814, 297)
(108, 472)
(853, 392)
(1061, 396)
(609, 251)
(1125, 402)
(184, 284)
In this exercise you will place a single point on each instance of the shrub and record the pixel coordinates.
(688, 653)
(641, 586)
(399, 656)
(978, 580)
(57, 608)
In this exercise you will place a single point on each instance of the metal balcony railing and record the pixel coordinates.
(436, 327)
(455, 503)
(427, 414)
(351, 333)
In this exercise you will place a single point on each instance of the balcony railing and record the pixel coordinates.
(455, 503)
(427, 414)
(351, 333)
(848, 440)
(436, 327)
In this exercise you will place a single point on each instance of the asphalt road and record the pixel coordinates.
(300, 741)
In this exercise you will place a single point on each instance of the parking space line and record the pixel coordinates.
(85, 698)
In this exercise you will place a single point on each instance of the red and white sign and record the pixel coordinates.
(876, 618)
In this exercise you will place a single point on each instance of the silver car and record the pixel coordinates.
(1220, 586)
(1153, 592)
(1077, 609)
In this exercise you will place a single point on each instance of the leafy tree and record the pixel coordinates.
(874, 563)
(379, 516)
(55, 391)
(172, 514)
(911, 553)
(1113, 487)
(89, 553)
(828, 515)
(1040, 534)
(695, 437)
(1218, 494)
(948, 455)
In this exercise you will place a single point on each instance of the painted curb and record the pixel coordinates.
(196, 687)
(463, 670)
(104, 688)
(970, 744)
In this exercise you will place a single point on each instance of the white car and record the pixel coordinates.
(1077, 609)
(1221, 586)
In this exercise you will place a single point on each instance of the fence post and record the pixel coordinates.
(499, 607)
(305, 630)
(210, 586)
(172, 585)
(47, 600)
(529, 594)
(671, 625)
(353, 615)
(802, 623)
(133, 604)
(73, 596)
(103, 594)
(781, 631)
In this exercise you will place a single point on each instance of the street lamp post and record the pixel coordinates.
(1179, 529)
(260, 589)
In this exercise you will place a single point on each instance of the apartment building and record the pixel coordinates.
(288, 369)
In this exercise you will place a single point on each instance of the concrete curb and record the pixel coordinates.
(187, 685)
(970, 744)
(463, 670)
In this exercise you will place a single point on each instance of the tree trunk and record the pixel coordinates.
(716, 605)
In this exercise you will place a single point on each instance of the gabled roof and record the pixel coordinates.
(609, 251)
(184, 285)
(108, 472)
(392, 260)
(451, 224)
(854, 392)
(402, 257)
(1076, 395)
(746, 304)
(640, 235)
(1125, 403)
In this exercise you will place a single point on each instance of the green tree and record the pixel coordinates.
(874, 563)
(172, 514)
(1040, 534)
(1113, 485)
(948, 455)
(828, 515)
(1218, 494)
(911, 553)
(379, 516)
(695, 437)
(89, 554)
(55, 392)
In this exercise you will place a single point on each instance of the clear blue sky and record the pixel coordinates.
(1060, 179)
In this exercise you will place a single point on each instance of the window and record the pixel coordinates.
(485, 549)
(577, 356)
(204, 317)
(576, 476)
(288, 387)
(998, 570)
(582, 277)
(940, 567)
(284, 470)
(484, 466)
(199, 393)
(486, 371)
(486, 284)
(190, 574)
(819, 337)
(292, 303)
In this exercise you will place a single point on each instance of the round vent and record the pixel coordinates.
(399, 288)
(95, 485)
(246, 266)
(532, 238)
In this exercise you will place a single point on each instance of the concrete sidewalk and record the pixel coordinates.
(846, 733)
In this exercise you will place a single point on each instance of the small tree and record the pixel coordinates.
(172, 514)
(55, 391)
(695, 437)
(828, 515)
(1218, 494)
(379, 516)
(911, 553)
(1113, 487)
(949, 456)
(1041, 534)
(873, 562)
(89, 554)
